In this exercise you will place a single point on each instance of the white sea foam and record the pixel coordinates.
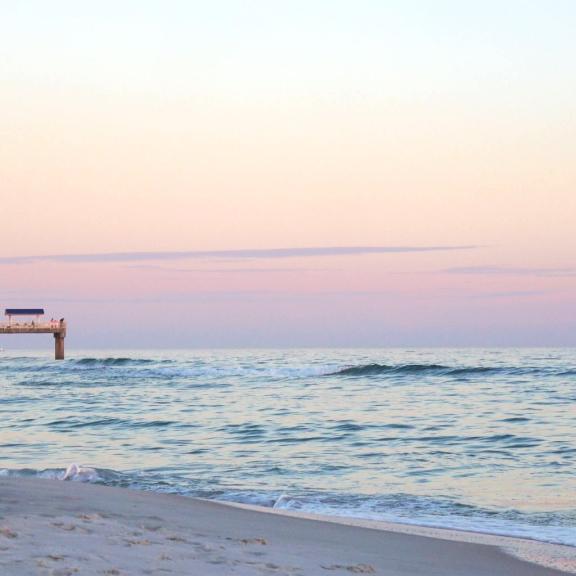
(78, 473)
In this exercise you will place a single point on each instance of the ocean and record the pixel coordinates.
(472, 439)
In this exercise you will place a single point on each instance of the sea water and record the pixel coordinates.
(470, 439)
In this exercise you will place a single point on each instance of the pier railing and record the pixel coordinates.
(55, 326)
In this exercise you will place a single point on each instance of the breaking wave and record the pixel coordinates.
(441, 370)
(116, 361)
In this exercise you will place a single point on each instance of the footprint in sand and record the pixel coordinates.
(260, 541)
(89, 517)
(137, 542)
(8, 533)
(176, 539)
(63, 526)
(64, 572)
(151, 528)
(354, 568)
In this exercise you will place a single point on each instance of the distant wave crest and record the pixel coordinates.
(377, 369)
(432, 369)
(113, 361)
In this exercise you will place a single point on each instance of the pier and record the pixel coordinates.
(55, 327)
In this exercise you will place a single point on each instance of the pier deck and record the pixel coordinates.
(42, 328)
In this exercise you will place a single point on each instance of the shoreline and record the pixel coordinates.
(549, 554)
(64, 528)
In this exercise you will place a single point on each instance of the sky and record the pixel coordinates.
(260, 173)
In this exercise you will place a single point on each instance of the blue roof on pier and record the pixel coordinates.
(23, 311)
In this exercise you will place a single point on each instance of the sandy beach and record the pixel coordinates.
(49, 527)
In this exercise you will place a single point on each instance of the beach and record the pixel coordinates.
(50, 527)
(287, 288)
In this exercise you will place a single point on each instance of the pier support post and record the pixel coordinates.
(58, 346)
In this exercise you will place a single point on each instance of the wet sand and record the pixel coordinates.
(49, 527)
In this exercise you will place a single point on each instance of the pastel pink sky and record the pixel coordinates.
(133, 127)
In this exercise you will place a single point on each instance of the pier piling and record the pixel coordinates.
(58, 346)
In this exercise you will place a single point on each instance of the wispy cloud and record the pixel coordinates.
(512, 271)
(244, 270)
(245, 254)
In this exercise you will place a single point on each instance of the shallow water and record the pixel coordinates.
(472, 439)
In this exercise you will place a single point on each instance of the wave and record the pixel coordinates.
(378, 369)
(116, 361)
(72, 364)
(101, 476)
(166, 369)
(441, 370)
(75, 423)
(173, 369)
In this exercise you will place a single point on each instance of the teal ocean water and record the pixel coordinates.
(470, 439)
